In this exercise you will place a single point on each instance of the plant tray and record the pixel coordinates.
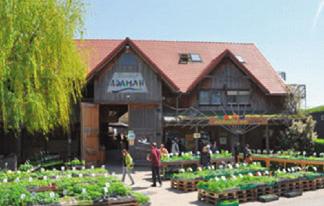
(292, 194)
(228, 203)
(268, 198)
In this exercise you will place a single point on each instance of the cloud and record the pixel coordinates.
(318, 13)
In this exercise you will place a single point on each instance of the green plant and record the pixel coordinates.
(25, 167)
(140, 198)
(75, 162)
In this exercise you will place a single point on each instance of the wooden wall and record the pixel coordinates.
(227, 76)
(127, 62)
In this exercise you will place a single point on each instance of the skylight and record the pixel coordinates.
(185, 58)
(240, 59)
(195, 57)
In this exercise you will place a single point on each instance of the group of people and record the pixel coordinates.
(154, 157)
(156, 153)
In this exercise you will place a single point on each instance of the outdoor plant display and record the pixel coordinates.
(190, 156)
(291, 154)
(86, 186)
(248, 182)
(225, 171)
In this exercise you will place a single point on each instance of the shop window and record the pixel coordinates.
(209, 97)
(238, 97)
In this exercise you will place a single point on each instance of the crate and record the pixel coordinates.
(184, 185)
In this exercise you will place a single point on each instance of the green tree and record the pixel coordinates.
(41, 72)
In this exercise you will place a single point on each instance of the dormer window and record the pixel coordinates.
(185, 58)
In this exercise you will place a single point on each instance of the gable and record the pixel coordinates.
(128, 79)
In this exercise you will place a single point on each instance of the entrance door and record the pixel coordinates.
(90, 133)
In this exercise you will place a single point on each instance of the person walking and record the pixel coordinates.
(155, 159)
(128, 165)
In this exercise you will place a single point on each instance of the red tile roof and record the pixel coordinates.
(165, 56)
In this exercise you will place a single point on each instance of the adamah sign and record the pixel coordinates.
(127, 82)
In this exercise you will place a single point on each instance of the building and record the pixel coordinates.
(178, 89)
(224, 92)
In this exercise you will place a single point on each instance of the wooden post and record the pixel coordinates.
(267, 139)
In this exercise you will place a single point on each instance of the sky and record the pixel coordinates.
(290, 33)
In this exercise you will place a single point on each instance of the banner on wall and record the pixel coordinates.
(127, 82)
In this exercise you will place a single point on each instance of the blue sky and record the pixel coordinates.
(290, 33)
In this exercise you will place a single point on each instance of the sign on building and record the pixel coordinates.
(127, 82)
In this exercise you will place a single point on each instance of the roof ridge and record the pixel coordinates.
(192, 41)
(180, 41)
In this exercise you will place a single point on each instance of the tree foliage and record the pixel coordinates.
(299, 135)
(41, 72)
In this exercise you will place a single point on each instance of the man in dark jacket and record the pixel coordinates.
(205, 157)
(155, 159)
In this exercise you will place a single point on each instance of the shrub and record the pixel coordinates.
(319, 145)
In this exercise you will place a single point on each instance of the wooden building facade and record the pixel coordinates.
(132, 79)
(158, 90)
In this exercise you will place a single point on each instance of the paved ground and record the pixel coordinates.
(165, 196)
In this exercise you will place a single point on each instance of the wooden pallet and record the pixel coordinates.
(247, 195)
(184, 185)
(111, 202)
(214, 198)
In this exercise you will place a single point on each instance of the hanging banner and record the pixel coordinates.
(127, 82)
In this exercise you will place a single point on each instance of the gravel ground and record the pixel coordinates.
(165, 196)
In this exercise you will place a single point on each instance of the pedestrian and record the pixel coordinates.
(155, 159)
(214, 147)
(237, 150)
(247, 154)
(163, 151)
(175, 147)
(205, 157)
(128, 165)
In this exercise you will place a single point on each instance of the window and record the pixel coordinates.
(209, 97)
(195, 58)
(240, 59)
(204, 98)
(215, 98)
(185, 58)
(322, 117)
(241, 97)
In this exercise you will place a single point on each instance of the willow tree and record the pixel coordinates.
(41, 72)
